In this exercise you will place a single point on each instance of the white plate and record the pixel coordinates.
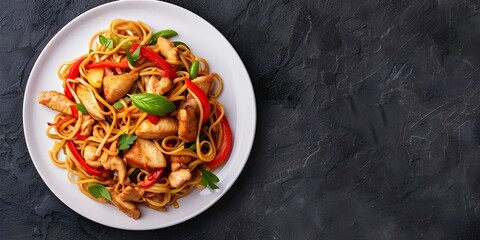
(205, 41)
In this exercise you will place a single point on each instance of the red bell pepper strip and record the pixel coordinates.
(89, 169)
(153, 178)
(153, 119)
(123, 64)
(80, 136)
(72, 74)
(148, 53)
(226, 147)
(201, 96)
(74, 110)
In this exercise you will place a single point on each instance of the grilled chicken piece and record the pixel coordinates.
(56, 101)
(179, 161)
(90, 102)
(114, 163)
(167, 49)
(87, 126)
(145, 155)
(131, 194)
(204, 83)
(187, 124)
(153, 85)
(179, 177)
(125, 206)
(166, 126)
(175, 166)
(116, 86)
(90, 157)
(180, 158)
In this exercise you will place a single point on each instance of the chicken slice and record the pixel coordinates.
(179, 177)
(145, 155)
(153, 85)
(204, 83)
(90, 102)
(167, 49)
(125, 206)
(166, 126)
(90, 157)
(180, 158)
(56, 101)
(87, 126)
(116, 86)
(131, 194)
(187, 124)
(114, 163)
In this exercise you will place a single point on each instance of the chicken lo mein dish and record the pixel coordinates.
(139, 120)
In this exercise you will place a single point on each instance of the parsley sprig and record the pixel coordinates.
(209, 179)
(125, 141)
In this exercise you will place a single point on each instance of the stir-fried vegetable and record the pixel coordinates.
(194, 69)
(73, 73)
(226, 147)
(194, 89)
(168, 33)
(90, 170)
(153, 178)
(148, 53)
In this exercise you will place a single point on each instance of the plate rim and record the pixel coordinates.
(251, 119)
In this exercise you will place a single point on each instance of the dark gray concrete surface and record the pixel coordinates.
(368, 122)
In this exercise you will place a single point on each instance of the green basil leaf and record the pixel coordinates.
(168, 33)
(105, 42)
(91, 50)
(130, 59)
(133, 58)
(126, 46)
(136, 53)
(99, 191)
(125, 141)
(110, 44)
(209, 179)
(102, 39)
(81, 108)
(152, 103)
(118, 105)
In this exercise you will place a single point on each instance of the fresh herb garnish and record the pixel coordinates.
(168, 33)
(152, 103)
(125, 141)
(116, 40)
(118, 105)
(90, 50)
(99, 191)
(81, 108)
(133, 58)
(105, 42)
(209, 179)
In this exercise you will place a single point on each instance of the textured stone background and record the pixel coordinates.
(367, 122)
